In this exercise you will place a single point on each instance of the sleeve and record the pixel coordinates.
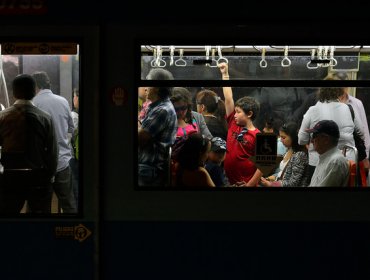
(202, 125)
(155, 122)
(297, 164)
(303, 136)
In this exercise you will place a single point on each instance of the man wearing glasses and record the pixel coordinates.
(332, 169)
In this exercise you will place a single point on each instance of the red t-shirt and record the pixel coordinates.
(237, 165)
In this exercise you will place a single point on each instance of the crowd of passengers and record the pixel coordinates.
(213, 146)
(39, 149)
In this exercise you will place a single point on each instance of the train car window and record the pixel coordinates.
(55, 68)
(286, 81)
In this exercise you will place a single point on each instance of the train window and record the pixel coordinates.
(55, 68)
(284, 80)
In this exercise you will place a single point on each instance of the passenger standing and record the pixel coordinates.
(189, 170)
(28, 141)
(212, 107)
(241, 137)
(156, 133)
(214, 163)
(329, 108)
(332, 169)
(58, 107)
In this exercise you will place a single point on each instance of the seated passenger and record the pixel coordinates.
(332, 169)
(214, 162)
(189, 169)
(293, 170)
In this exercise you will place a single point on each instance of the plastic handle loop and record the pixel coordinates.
(159, 61)
(181, 62)
(263, 62)
(312, 58)
(172, 53)
(286, 62)
(214, 61)
(153, 62)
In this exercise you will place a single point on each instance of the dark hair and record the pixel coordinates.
(161, 74)
(24, 87)
(291, 129)
(42, 80)
(190, 154)
(248, 104)
(182, 94)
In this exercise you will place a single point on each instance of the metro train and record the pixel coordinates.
(272, 62)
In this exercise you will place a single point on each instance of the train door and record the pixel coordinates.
(65, 242)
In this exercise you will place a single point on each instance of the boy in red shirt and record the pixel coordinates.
(241, 137)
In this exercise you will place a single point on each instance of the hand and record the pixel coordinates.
(240, 184)
(265, 182)
(224, 69)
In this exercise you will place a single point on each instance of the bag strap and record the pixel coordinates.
(352, 112)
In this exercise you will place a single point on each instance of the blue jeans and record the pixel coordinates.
(62, 187)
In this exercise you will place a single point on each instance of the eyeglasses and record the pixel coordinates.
(181, 108)
(284, 126)
(241, 134)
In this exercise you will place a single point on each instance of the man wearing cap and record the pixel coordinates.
(214, 163)
(332, 169)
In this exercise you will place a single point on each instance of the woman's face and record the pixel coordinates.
(285, 139)
(181, 109)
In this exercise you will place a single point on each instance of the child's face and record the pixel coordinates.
(241, 118)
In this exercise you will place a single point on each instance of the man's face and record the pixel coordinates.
(320, 142)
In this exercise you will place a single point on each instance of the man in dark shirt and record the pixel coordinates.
(29, 152)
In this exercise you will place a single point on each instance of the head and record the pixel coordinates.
(207, 101)
(24, 87)
(289, 136)
(325, 135)
(268, 128)
(142, 93)
(333, 94)
(218, 150)
(159, 74)
(194, 152)
(246, 110)
(42, 80)
(181, 100)
(75, 98)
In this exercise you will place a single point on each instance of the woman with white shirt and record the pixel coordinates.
(329, 108)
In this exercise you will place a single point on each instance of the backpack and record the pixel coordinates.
(359, 142)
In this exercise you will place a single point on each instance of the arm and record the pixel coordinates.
(228, 93)
(298, 164)
(303, 136)
(144, 138)
(255, 179)
(202, 125)
(337, 174)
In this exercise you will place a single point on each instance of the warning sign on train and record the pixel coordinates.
(10, 48)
